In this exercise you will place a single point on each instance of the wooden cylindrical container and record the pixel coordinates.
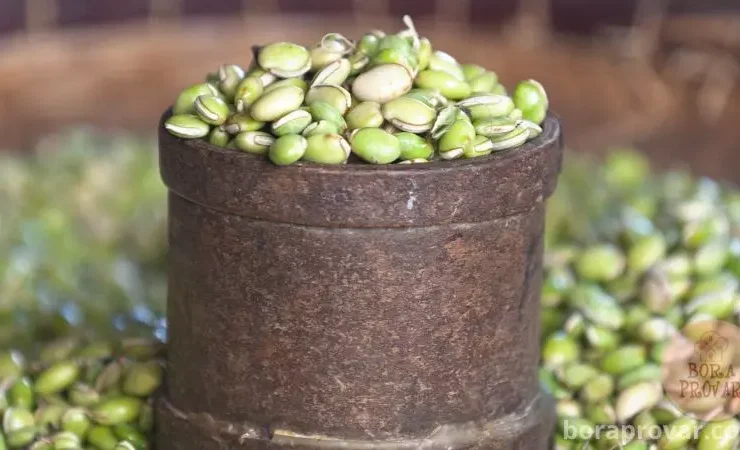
(355, 306)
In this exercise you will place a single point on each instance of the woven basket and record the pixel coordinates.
(667, 83)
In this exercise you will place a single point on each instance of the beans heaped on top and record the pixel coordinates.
(396, 84)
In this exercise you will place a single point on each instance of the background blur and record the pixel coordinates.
(83, 215)
(655, 73)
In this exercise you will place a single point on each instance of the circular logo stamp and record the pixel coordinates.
(701, 370)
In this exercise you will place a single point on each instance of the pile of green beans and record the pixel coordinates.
(385, 98)
(80, 395)
(632, 259)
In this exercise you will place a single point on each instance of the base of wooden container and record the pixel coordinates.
(527, 429)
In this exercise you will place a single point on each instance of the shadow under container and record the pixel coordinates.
(355, 306)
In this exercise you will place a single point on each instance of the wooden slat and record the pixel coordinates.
(488, 14)
(644, 38)
(457, 11)
(164, 12)
(416, 10)
(201, 8)
(41, 15)
(363, 8)
(532, 25)
(12, 16)
(262, 7)
(332, 7)
(586, 17)
(79, 13)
